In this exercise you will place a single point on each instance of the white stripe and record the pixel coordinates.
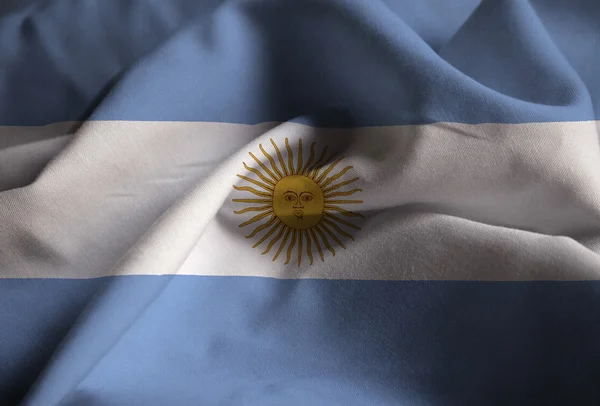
(441, 201)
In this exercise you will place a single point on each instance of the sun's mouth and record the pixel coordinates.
(298, 213)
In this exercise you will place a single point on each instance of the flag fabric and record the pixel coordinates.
(282, 202)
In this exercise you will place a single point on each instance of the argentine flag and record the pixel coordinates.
(299, 202)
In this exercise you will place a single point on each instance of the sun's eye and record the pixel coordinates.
(307, 198)
(289, 198)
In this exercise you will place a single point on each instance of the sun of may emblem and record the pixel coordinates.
(299, 202)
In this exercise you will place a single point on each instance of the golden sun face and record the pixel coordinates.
(299, 204)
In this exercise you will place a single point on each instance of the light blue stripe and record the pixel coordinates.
(182, 340)
(340, 62)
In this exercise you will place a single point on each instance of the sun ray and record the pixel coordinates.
(252, 200)
(327, 201)
(291, 247)
(290, 156)
(271, 160)
(285, 238)
(311, 157)
(339, 230)
(274, 240)
(260, 208)
(262, 227)
(336, 176)
(271, 174)
(255, 219)
(316, 240)
(255, 182)
(313, 168)
(329, 169)
(267, 235)
(299, 246)
(341, 221)
(331, 234)
(308, 246)
(325, 240)
(345, 193)
(299, 156)
(260, 175)
(253, 191)
(317, 170)
(339, 185)
(343, 211)
(281, 162)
